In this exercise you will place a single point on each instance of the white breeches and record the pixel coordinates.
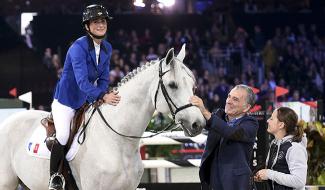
(62, 116)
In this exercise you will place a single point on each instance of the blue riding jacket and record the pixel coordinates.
(82, 79)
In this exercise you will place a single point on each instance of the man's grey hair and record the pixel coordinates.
(251, 98)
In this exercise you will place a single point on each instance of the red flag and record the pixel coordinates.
(255, 90)
(255, 108)
(312, 104)
(270, 108)
(13, 92)
(279, 91)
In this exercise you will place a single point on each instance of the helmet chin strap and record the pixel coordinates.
(96, 36)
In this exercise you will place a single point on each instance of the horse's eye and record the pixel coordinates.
(173, 85)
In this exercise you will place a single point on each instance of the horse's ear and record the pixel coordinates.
(181, 54)
(170, 56)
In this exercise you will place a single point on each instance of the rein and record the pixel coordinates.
(171, 105)
(96, 108)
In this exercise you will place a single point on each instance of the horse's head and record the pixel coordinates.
(175, 87)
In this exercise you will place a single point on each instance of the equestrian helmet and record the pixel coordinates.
(95, 11)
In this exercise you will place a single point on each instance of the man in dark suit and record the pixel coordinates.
(226, 159)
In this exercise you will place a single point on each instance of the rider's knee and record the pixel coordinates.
(62, 138)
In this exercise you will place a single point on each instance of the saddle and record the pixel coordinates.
(77, 120)
(76, 123)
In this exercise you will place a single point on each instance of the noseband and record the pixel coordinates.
(171, 105)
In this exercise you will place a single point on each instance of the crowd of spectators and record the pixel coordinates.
(293, 58)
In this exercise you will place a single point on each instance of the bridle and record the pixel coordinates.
(171, 105)
(169, 101)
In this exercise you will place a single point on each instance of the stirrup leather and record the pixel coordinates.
(52, 178)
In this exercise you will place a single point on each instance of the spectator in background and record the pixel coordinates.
(161, 51)
(120, 40)
(258, 39)
(168, 39)
(143, 60)
(269, 56)
(134, 37)
(151, 54)
(146, 40)
(56, 61)
(115, 75)
(47, 58)
(240, 38)
(215, 54)
(222, 90)
(295, 97)
(115, 57)
(133, 61)
(278, 40)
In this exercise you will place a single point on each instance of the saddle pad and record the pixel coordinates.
(36, 145)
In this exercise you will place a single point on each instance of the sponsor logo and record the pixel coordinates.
(281, 155)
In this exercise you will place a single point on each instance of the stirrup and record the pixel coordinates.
(52, 178)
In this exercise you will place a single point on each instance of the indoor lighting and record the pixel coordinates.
(167, 3)
(139, 3)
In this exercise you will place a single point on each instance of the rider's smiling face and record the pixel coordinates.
(98, 26)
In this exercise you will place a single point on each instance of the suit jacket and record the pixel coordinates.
(82, 79)
(234, 145)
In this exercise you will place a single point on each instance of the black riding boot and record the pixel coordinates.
(57, 155)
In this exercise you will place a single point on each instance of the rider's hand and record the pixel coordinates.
(112, 98)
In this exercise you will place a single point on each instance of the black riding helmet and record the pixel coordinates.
(93, 12)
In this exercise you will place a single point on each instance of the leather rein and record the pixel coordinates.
(171, 105)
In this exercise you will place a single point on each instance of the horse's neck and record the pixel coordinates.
(132, 114)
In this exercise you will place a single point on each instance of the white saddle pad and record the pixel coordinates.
(36, 145)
